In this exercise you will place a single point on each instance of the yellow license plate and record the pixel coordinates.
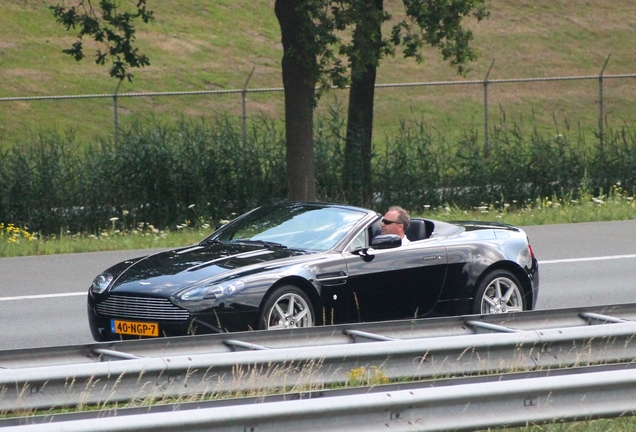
(134, 328)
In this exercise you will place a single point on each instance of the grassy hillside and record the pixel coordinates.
(202, 45)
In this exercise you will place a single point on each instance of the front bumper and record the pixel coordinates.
(200, 323)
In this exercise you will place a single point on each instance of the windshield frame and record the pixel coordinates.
(334, 226)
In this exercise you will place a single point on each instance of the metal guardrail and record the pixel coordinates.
(317, 336)
(458, 404)
(503, 344)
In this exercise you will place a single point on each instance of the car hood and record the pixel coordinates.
(167, 272)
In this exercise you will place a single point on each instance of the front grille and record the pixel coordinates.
(147, 308)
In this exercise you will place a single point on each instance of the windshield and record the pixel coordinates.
(296, 226)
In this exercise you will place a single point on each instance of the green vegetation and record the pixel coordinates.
(540, 132)
(214, 45)
(197, 45)
(164, 174)
(19, 242)
(620, 424)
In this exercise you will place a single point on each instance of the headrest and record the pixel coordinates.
(416, 230)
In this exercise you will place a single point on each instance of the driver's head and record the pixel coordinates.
(395, 221)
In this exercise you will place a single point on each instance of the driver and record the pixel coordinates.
(396, 221)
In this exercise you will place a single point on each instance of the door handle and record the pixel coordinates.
(431, 257)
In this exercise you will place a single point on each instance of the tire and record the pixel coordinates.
(276, 313)
(499, 292)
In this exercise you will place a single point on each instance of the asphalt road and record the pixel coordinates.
(43, 299)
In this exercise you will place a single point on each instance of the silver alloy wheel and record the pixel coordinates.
(289, 311)
(502, 295)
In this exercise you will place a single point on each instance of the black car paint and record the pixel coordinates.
(431, 277)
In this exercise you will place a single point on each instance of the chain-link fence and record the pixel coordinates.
(583, 104)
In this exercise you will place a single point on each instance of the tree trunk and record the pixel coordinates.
(357, 169)
(299, 84)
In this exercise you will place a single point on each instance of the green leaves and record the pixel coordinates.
(438, 23)
(113, 30)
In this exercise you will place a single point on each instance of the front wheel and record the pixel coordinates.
(286, 307)
(499, 292)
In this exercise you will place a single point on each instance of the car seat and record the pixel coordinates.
(417, 230)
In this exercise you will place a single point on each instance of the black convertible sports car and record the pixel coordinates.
(298, 264)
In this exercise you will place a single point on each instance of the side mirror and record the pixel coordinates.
(386, 241)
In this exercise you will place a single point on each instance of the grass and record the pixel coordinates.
(199, 45)
(214, 45)
(617, 205)
(619, 424)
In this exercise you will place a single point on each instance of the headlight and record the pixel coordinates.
(101, 282)
(216, 291)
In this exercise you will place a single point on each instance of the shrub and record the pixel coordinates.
(203, 171)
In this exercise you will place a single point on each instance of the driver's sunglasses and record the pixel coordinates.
(389, 222)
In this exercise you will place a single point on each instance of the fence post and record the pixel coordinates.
(486, 146)
(601, 135)
(115, 119)
(243, 98)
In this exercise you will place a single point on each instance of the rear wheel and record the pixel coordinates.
(499, 292)
(286, 307)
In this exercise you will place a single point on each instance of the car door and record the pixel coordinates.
(402, 282)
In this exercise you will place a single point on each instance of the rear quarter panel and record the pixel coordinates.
(472, 253)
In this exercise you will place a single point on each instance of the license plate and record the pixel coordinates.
(134, 328)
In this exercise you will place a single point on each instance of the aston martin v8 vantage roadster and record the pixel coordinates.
(299, 264)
